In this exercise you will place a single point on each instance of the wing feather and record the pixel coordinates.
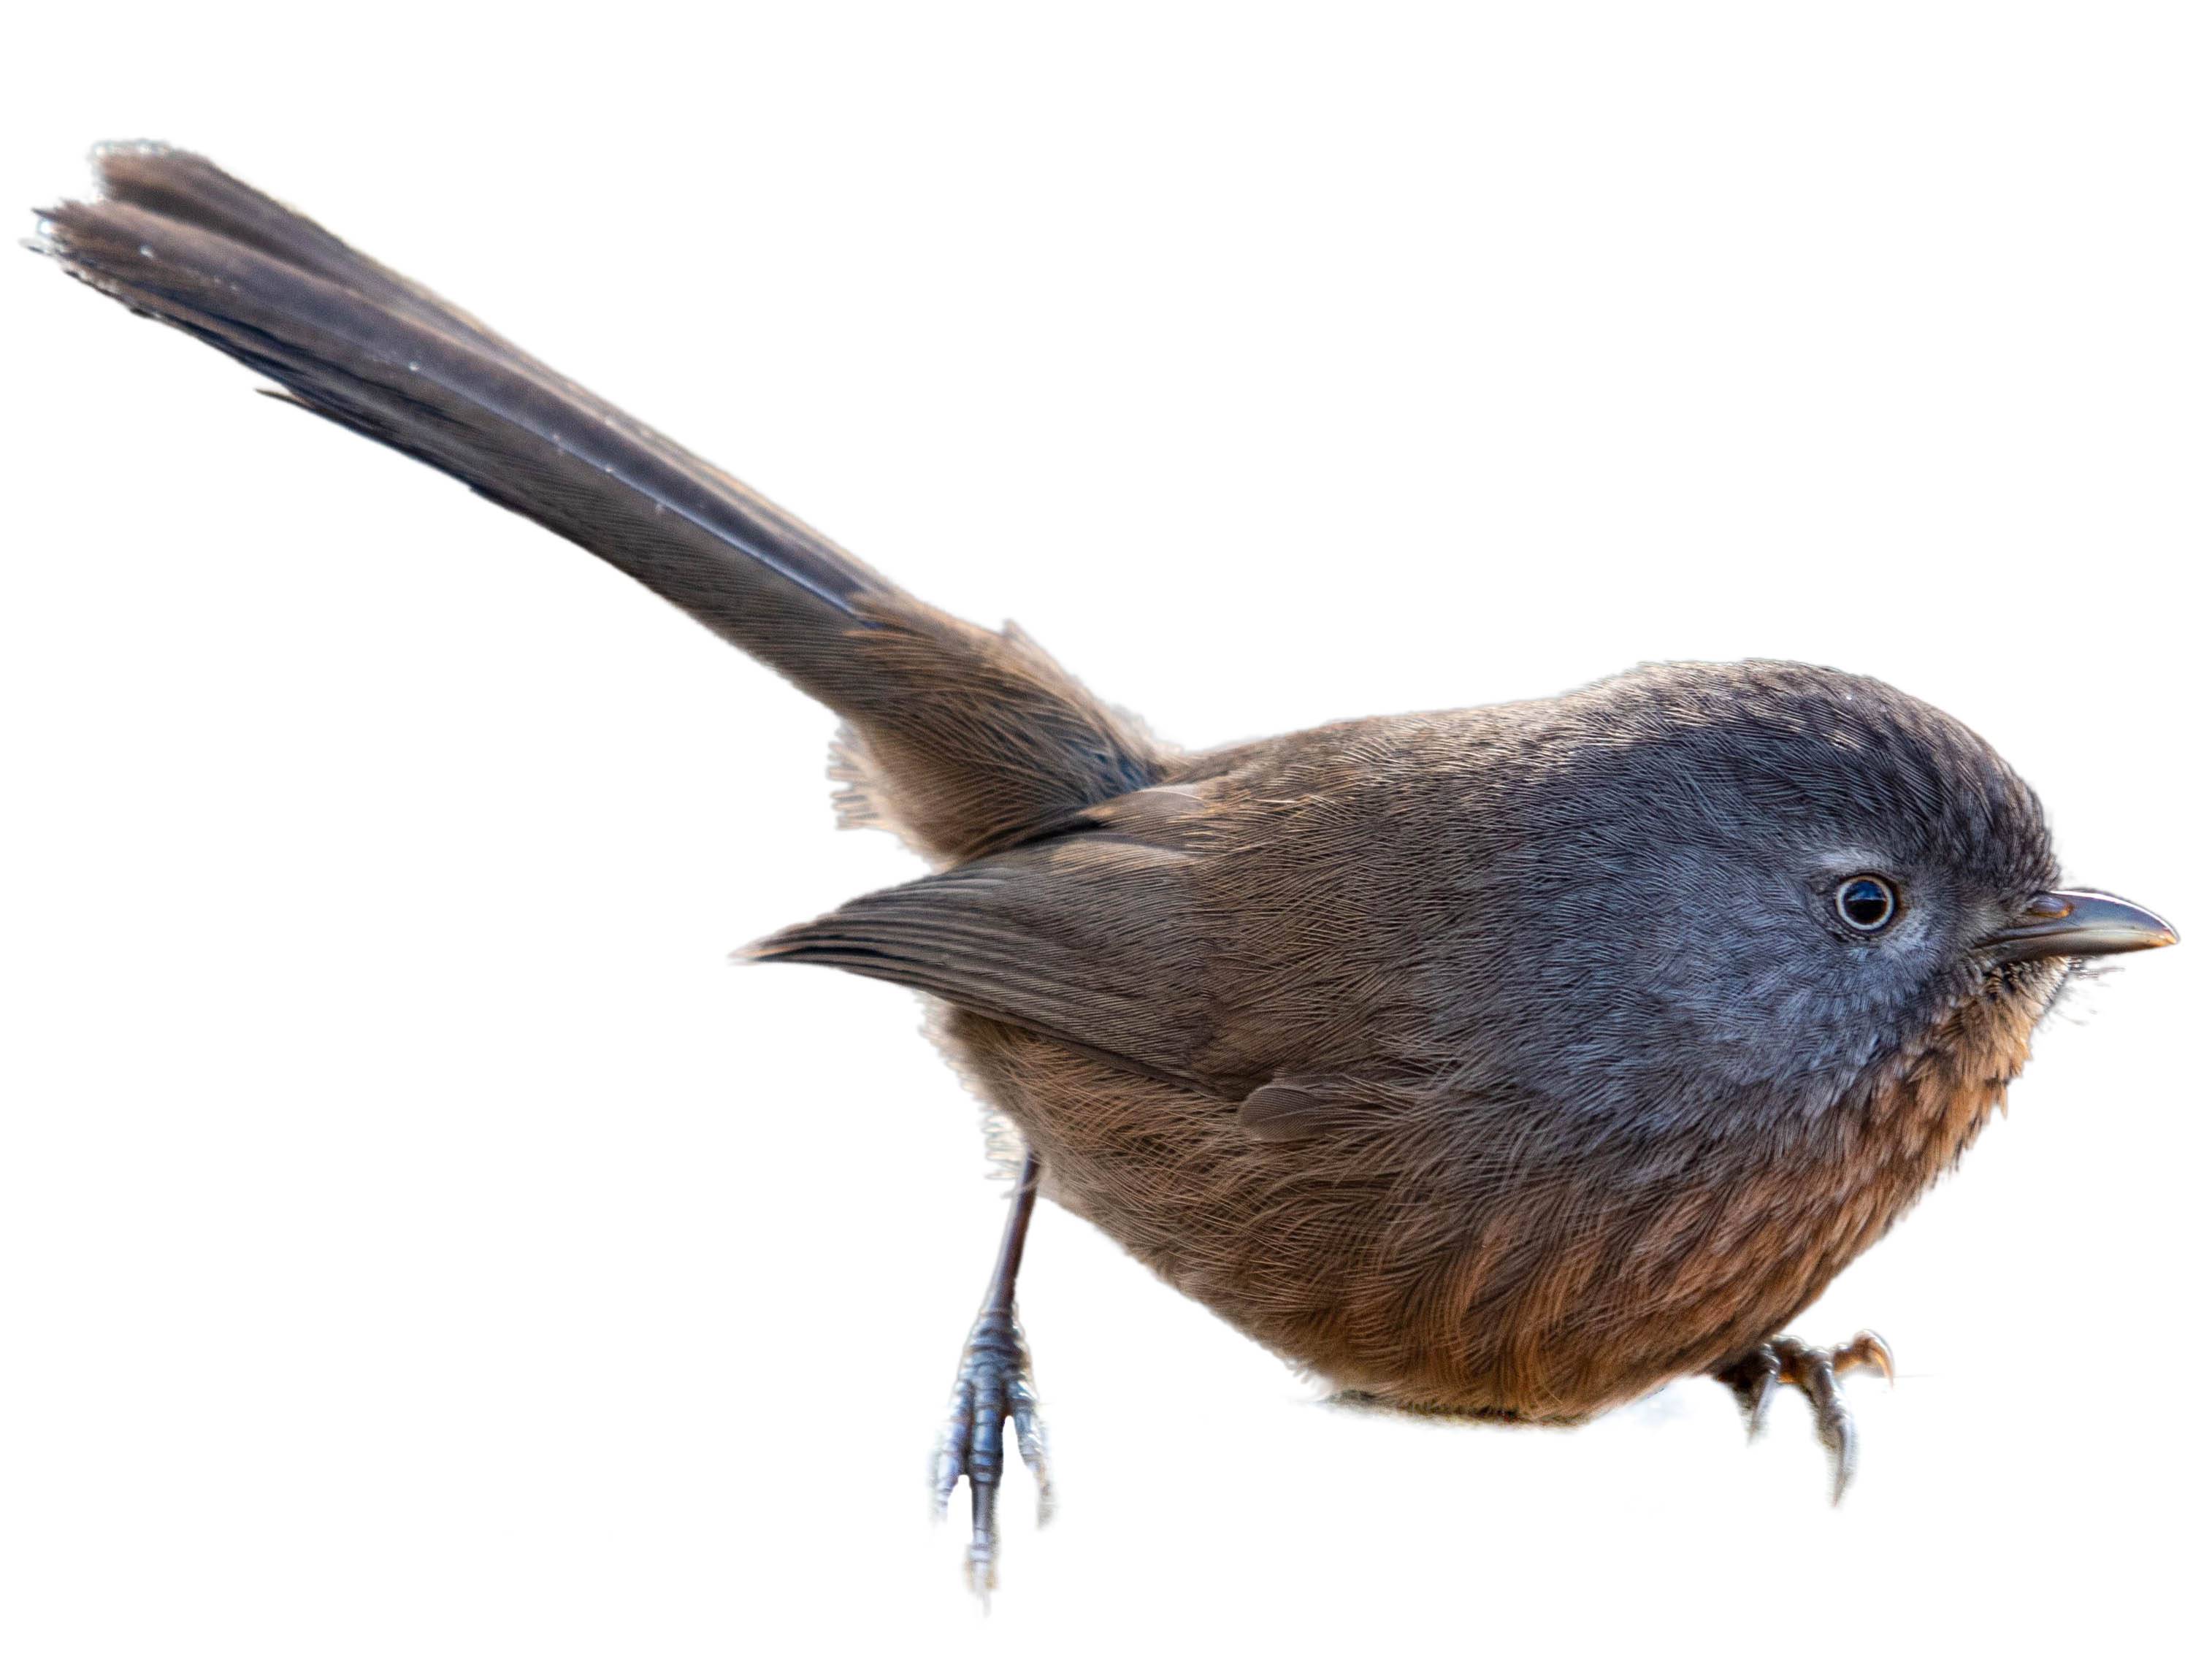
(1093, 940)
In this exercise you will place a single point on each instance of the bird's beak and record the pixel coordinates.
(2069, 924)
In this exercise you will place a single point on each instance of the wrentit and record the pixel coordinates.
(1507, 1061)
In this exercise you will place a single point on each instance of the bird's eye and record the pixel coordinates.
(1867, 903)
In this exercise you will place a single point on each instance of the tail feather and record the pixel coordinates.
(180, 240)
(969, 739)
(190, 190)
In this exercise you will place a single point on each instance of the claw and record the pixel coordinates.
(1814, 1371)
(1754, 1412)
(1866, 1350)
(1028, 1440)
(1841, 1438)
(1832, 1420)
(952, 1444)
(1752, 1380)
(1760, 1397)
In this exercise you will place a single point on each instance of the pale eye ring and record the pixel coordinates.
(1866, 903)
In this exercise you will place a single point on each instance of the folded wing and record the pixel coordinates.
(1092, 939)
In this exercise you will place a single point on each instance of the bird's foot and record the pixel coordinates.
(1754, 1378)
(993, 1389)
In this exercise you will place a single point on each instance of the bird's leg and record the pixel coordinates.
(992, 1389)
(1754, 1376)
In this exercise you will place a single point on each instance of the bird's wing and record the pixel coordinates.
(1091, 938)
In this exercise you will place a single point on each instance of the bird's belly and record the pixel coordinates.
(1549, 1291)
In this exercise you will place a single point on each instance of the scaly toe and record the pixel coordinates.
(992, 1389)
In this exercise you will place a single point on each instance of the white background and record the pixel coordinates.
(414, 1238)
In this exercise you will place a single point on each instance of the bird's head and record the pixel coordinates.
(1758, 879)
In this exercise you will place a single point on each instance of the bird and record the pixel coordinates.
(1504, 1063)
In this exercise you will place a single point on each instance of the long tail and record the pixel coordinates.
(964, 738)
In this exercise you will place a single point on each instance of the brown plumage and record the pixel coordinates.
(1306, 918)
(1507, 1061)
